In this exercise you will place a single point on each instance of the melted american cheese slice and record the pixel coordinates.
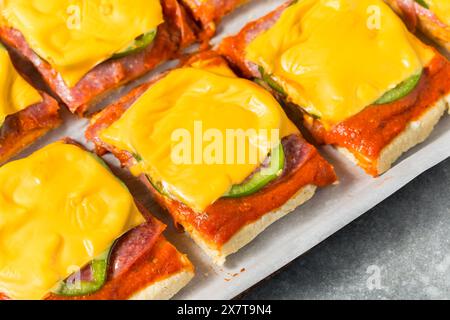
(336, 57)
(441, 8)
(76, 35)
(15, 93)
(59, 208)
(214, 97)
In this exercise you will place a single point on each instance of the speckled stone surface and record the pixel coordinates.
(398, 250)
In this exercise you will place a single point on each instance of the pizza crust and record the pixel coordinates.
(167, 288)
(251, 230)
(23, 128)
(416, 132)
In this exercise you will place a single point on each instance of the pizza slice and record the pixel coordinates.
(217, 151)
(360, 79)
(72, 231)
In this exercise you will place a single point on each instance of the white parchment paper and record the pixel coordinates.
(331, 209)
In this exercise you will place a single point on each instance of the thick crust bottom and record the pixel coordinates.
(165, 289)
(252, 230)
(415, 133)
(157, 275)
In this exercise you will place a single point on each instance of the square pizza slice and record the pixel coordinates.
(360, 79)
(71, 230)
(218, 152)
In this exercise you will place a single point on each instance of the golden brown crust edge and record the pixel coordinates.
(251, 230)
(21, 129)
(416, 132)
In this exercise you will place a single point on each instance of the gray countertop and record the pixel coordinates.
(398, 250)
